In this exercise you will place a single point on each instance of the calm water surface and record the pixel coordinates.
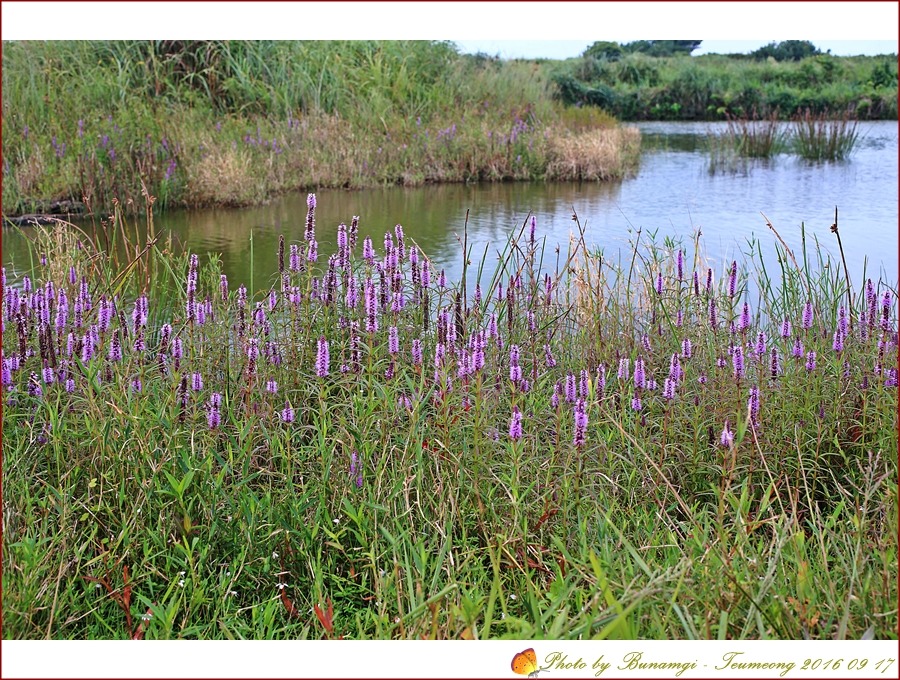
(673, 194)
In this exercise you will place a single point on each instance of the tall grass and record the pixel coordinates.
(746, 138)
(818, 138)
(236, 122)
(755, 137)
(589, 444)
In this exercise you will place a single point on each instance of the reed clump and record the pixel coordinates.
(824, 138)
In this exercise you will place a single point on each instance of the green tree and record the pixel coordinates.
(662, 48)
(788, 50)
(604, 49)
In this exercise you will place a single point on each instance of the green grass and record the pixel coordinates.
(713, 86)
(397, 504)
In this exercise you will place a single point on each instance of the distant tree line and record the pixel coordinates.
(660, 80)
(613, 51)
(787, 50)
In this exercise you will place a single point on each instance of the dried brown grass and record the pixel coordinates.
(602, 154)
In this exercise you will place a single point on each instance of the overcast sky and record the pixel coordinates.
(512, 29)
(563, 49)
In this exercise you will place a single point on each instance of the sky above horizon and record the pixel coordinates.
(565, 49)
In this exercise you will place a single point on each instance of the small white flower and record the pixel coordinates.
(502, 615)
(381, 572)
(182, 573)
(336, 520)
(232, 593)
(274, 555)
(147, 616)
(281, 586)
(97, 585)
(396, 619)
(181, 583)
(513, 597)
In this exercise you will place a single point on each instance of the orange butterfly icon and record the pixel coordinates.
(525, 663)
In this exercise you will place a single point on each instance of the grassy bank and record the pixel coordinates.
(629, 446)
(711, 87)
(233, 123)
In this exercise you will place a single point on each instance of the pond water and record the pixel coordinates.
(673, 194)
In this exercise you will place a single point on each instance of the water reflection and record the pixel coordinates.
(673, 194)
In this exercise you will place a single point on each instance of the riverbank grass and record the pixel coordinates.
(586, 444)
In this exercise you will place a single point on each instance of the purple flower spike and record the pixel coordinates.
(640, 378)
(196, 382)
(679, 265)
(737, 360)
(581, 423)
(797, 350)
(393, 340)
(732, 280)
(636, 403)
(760, 345)
(886, 311)
(214, 419)
(550, 359)
(726, 439)
(838, 344)
(570, 388)
(842, 321)
(624, 367)
(774, 366)
(753, 404)
(686, 348)
(417, 352)
(310, 233)
(811, 361)
(322, 359)
(115, 348)
(786, 328)
(515, 425)
(745, 317)
(287, 413)
(713, 317)
(659, 283)
(669, 389)
(807, 315)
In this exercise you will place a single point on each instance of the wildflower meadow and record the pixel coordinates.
(564, 443)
